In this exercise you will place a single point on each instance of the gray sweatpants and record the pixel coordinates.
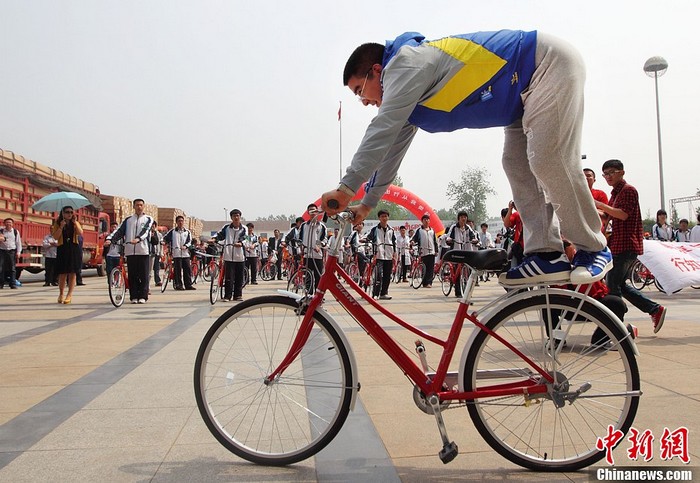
(542, 155)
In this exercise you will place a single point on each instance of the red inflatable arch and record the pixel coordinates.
(407, 199)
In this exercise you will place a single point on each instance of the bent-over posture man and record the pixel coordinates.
(527, 82)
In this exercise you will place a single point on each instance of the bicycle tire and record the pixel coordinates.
(417, 275)
(463, 278)
(214, 288)
(117, 286)
(446, 279)
(396, 272)
(354, 273)
(376, 281)
(168, 276)
(195, 272)
(285, 421)
(265, 274)
(206, 272)
(273, 271)
(509, 424)
(634, 276)
(302, 281)
(246, 277)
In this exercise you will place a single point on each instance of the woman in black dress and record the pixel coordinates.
(66, 230)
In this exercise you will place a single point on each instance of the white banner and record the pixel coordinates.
(675, 265)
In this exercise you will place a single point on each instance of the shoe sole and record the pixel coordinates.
(560, 277)
(579, 279)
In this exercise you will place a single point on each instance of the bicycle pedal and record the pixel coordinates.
(448, 452)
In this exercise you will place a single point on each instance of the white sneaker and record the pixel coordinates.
(142, 301)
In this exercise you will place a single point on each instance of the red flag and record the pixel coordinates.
(340, 107)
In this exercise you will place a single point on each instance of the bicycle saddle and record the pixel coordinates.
(491, 259)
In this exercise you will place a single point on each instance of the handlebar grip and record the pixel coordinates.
(333, 204)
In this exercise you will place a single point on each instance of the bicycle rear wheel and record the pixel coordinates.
(117, 287)
(214, 285)
(548, 432)
(417, 276)
(290, 418)
(168, 276)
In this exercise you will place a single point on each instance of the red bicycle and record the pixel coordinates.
(275, 377)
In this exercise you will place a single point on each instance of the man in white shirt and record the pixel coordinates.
(427, 247)
(252, 253)
(403, 250)
(10, 249)
(50, 246)
(313, 239)
(384, 240)
(135, 231)
(695, 232)
(179, 240)
(233, 235)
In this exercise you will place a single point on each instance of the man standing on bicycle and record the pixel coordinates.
(233, 235)
(384, 240)
(528, 82)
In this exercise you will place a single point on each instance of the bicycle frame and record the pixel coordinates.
(331, 282)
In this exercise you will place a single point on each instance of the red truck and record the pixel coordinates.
(23, 182)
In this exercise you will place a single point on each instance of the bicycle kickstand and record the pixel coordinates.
(449, 449)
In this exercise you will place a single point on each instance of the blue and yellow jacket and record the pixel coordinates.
(463, 81)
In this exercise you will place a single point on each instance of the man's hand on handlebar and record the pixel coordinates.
(335, 201)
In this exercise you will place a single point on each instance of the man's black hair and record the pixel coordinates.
(362, 60)
(614, 164)
(382, 212)
(179, 217)
(462, 213)
(424, 217)
(250, 225)
(133, 203)
(234, 211)
(504, 212)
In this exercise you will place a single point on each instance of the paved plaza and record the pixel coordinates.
(89, 392)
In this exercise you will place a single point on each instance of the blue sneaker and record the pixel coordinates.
(591, 266)
(535, 269)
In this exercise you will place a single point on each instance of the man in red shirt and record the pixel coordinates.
(598, 195)
(626, 240)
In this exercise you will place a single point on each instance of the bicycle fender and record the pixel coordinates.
(527, 294)
(354, 383)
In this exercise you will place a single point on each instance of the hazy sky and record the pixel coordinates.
(206, 105)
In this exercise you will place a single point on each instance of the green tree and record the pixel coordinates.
(445, 214)
(470, 193)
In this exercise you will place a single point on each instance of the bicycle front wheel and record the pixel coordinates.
(556, 430)
(168, 276)
(446, 279)
(290, 418)
(214, 285)
(417, 276)
(117, 287)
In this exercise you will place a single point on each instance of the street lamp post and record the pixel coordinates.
(656, 67)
